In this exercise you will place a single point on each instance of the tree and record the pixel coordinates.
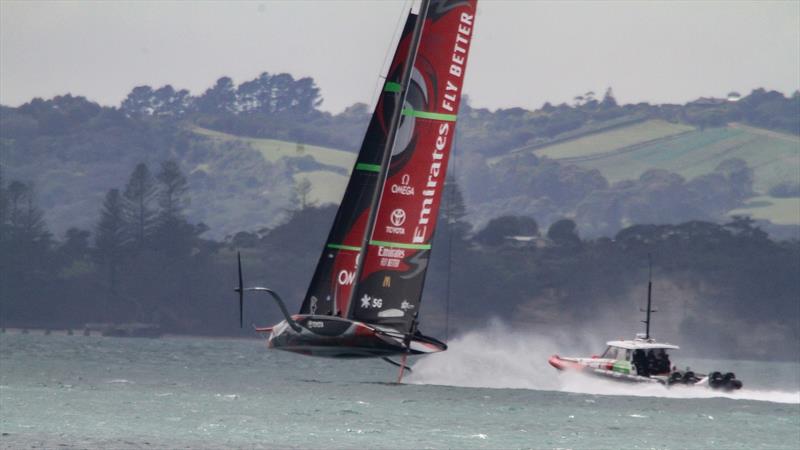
(219, 99)
(16, 196)
(76, 244)
(138, 198)
(25, 219)
(564, 232)
(110, 236)
(274, 94)
(139, 102)
(498, 230)
(608, 99)
(174, 235)
(3, 205)
(739, 176)
(303, 192)
(172, 195)
(745, 227)
(454, 210)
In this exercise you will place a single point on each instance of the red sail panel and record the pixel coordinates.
(390, 289)
(334, 276)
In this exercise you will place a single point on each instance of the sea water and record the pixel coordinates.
(485, 392)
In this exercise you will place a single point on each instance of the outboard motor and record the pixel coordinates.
(675, 378)
(730, 382)
(727, 382)
(715, 380)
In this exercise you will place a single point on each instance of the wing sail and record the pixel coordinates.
(389, 290)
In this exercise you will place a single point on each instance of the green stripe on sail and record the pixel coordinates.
(368, 167)
(401, 245)
(344, 247)
(391, 86)
(429, 115)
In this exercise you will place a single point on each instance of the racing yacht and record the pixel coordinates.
(365, 294)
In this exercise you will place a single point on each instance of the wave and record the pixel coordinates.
(497, 358)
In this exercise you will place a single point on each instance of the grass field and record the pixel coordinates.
(273, 150)
(326, 187)
(627, 152)
(782, 211)
(773, 160)
(614, 139)
(620, 153)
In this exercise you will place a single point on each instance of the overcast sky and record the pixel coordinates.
(524, 52)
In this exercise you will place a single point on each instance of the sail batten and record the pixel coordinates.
(400, 245)
(429, 115)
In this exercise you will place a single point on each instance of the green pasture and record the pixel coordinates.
(782, 211)
(273, 149)
(613, 140)
(326, 187)
(774, 159)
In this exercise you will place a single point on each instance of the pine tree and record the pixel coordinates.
(608, 99)
(15, 199)
(303, 193)
(25, 219)
(110, 235)
(454, 210)
(137, 205)
(172, 193)
(219, 99)
(174, 234)
(3, 206)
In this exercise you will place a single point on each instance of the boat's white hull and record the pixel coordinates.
(613, 370)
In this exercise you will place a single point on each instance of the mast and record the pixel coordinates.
(408, 66)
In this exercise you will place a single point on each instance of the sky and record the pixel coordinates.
(524, 53)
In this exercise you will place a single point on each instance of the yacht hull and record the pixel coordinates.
(335, 337)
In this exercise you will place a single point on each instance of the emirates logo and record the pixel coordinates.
(398, 217)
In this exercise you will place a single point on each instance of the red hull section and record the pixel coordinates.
(562, 364)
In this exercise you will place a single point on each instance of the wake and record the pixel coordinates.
(497, 358)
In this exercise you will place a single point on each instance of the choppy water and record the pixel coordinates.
(78, 391)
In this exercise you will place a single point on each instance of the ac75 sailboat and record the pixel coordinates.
(364, 297)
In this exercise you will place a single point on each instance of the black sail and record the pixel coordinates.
(334, 276)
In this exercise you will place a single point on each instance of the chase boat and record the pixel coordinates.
(643, 360)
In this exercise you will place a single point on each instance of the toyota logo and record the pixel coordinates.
(398, 217)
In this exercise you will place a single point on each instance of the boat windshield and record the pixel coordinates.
(617, 353)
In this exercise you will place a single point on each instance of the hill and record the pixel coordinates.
(629, 151)
(245, 150)
(273, 149)
(327, 169)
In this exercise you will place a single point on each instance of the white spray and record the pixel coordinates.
(498, 358)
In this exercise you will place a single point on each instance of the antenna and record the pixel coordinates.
(240, 290)
(649, 296)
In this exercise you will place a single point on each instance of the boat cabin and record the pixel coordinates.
(647, 356)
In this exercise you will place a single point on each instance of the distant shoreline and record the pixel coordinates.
(79, 332)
